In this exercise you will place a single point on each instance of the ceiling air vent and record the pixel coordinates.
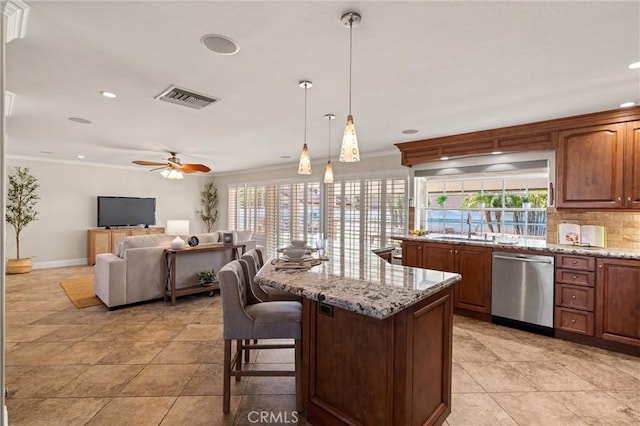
(188, 98)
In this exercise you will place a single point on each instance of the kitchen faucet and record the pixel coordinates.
(469, 223)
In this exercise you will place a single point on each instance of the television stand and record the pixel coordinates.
(105, 240)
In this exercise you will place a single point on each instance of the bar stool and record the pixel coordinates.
(254, 259)
(267, 320)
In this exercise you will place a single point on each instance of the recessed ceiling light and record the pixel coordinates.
(222, 45)
(285, 157)
(444, 158)
(108, 94)
(409, 131)
(635, 65)
(627, 104)
(80, 156)
(46, 152)
(79, 120)
(496, 152)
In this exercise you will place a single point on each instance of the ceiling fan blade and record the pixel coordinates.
(188, 171)
(158, 168)
(190, 168)
(148, 163)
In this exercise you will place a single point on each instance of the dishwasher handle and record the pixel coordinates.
(521, 259)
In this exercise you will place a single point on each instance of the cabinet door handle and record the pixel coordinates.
(551, 194)
(619, 198)
(628, 198)
(450, 251)
(573, 321)
(573, 297)
(574, 261)
(419, 248)
(599, 266)
(574, 277)
(456, 251)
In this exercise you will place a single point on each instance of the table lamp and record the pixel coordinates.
(177, 228)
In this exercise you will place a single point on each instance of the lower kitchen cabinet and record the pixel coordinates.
(473, 292)
(575, 294)
(412, 253)
(618, 300)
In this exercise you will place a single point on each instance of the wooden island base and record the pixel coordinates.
(366, 371)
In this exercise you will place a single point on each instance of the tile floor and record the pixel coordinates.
(154, 364)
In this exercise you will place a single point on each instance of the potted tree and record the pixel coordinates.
(21, 202)
(441, 200)
(209, 200)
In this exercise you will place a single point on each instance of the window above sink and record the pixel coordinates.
(484, 203)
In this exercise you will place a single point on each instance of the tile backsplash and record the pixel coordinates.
(623, 228)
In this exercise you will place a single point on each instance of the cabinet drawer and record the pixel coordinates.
(575, 277)
(574, 297)
(574, 321)
(569, 261)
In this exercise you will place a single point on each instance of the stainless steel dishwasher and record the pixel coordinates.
(522, 291)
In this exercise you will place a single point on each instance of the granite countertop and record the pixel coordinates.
(532, 246)
(376, 288)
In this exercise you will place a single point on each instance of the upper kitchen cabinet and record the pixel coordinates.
(632, 166)
(598, 167)
(589, 164)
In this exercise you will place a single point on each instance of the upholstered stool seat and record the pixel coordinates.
(275, 320)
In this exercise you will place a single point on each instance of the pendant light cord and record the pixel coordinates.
(305, 112)
(329, 138)
(350, 55)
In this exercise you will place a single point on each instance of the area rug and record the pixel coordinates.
(80, 292)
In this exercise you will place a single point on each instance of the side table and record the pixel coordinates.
(171, 254)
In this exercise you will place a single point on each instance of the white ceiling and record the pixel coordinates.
(440, 67)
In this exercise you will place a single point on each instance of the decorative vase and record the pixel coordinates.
(19, 266)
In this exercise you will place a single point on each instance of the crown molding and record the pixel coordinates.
(17, 13)
(8, 102)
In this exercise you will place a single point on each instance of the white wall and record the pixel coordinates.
(68, 206)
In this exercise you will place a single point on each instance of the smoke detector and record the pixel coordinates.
(189, 98)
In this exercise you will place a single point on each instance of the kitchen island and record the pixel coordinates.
(376, 341)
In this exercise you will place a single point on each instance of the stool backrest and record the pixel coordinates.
(251, 260)
(233, 290)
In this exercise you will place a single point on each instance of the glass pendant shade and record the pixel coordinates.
(171, 174)
(328, 173)
(349, 152)
(304, 168)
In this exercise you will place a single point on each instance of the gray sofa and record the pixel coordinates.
(138, 272)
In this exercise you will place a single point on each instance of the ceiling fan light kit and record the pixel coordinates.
(349, 151)
(304, 168)
(173, 168)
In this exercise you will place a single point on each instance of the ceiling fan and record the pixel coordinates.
(173, 168)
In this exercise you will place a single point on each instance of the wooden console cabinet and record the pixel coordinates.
(102, 240)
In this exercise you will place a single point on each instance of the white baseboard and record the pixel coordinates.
(59, 263)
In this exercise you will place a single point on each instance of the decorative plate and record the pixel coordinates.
(194, 241)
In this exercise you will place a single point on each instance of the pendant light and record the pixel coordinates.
(328, 173)
(349, 151)
(304, 168)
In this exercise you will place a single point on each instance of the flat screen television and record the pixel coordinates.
(126, 211)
